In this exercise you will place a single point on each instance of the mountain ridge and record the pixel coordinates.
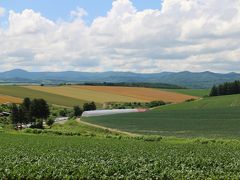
(188, 79)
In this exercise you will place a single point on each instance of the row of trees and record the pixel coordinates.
(34, 111)
(226, 89)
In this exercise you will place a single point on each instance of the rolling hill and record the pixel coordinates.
(208, 117)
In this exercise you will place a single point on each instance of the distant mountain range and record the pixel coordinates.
(185, 78)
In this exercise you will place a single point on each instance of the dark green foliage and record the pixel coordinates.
(89, 106)
(227, 88)
(14, 114)
(63, 112)
(50, 121)
(133, 105)
(39, 109)
(77, 111)
(54, 157)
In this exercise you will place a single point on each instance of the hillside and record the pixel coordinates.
(209, 117)
(183, 79)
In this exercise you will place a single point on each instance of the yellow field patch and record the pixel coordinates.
(103, 94)
(9, 99)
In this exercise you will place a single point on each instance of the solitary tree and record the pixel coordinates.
(77, 111)
(39, 110)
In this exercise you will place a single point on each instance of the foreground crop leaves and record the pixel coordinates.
(53, 157)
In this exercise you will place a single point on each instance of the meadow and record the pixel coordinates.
(191, 92)
(208, 117)
(53, 157)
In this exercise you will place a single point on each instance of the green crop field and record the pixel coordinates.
(191, 92)
(22, 92)
(53, 157)
(209, 117)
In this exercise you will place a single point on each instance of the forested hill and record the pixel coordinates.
(183, 79)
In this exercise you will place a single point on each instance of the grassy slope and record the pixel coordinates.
(217, 116)
(191, 92)
(54, 157)
(22, 92)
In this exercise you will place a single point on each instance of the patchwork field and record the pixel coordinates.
(9, 99)
(22, 92)
(209, 117)
(103, 94)
(60, 157)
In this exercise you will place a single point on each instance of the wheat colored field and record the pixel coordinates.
(103, 94)
(9, 99)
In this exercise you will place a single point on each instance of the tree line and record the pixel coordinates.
(30, 111)
(227, 88)
(37, 110)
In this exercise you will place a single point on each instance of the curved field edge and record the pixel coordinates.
(21, 92)
(54, 157)
(210, 117)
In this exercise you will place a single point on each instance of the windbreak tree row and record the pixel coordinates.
(227, 88)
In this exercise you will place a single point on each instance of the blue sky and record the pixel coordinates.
(136, 35)
(60, 9)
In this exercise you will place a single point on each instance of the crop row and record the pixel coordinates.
(54, 157)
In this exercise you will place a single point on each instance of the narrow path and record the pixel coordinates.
(105, 128)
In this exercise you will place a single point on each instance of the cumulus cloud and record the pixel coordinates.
(190, 35)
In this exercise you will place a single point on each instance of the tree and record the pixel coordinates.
(63, 112)
(50, 121)
(14, 114)
(214, 91)
(39, 111)
(77, 111)
(26, 108)
(89, 106)
(26, 103)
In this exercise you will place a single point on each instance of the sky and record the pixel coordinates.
(145, 36)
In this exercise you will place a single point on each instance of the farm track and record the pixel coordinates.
(108, 129)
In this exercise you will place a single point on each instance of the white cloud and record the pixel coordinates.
(190, 35)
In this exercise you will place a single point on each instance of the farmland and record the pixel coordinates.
(103, 94)
(209, 117)
(9, 99)
(22, 92)
(54, 157)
